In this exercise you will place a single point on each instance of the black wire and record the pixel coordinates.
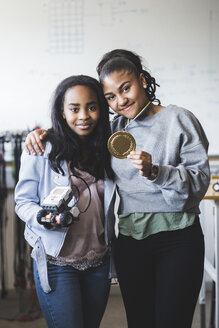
(79, 193)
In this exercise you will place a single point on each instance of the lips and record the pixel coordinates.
(125, 109)
(84, 126)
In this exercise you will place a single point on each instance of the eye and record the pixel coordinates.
(74, 109)
(126, 88)
(109, 98)
(92, 108)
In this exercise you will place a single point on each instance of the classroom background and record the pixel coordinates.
(45, 41)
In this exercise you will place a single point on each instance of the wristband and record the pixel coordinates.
(154, 172)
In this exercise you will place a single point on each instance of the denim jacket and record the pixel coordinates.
(36, 180)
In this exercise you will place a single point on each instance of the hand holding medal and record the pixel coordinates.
(142, 161)
(121, 143)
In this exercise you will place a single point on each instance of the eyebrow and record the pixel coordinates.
(73, 104)
(77, 104)
(92, 102)
(120, 87)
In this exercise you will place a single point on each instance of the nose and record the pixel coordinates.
(122, 100)
(83, 114)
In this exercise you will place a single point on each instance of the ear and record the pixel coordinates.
(63, 114)
(143, 80)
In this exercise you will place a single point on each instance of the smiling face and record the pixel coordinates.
(81, 110)
(124, 92)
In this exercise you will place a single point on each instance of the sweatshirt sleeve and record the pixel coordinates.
(186, 182)
(26, 191)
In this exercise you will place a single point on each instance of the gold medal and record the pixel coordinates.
(120, 144)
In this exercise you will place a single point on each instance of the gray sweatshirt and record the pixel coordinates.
(177, 142)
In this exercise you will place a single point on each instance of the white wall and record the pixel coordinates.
(44, 41)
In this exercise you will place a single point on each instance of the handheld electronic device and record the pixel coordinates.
(55, 208)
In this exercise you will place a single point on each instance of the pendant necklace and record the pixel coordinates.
(121, 143)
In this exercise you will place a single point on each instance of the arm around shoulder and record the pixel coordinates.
(33, 143)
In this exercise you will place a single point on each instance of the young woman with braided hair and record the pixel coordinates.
(159, 252)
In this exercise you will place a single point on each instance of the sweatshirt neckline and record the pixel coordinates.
(147, 119)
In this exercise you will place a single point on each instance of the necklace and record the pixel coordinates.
(121, 143)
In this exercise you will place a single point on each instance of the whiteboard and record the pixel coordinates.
(44, 41)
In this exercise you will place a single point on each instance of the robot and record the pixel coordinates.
(55, 208)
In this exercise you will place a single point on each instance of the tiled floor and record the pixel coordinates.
(114, 316)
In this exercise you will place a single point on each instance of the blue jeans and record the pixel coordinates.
(78, 298)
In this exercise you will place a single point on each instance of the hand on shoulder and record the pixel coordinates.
(33, 143)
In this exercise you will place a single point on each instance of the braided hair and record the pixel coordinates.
(119, 59)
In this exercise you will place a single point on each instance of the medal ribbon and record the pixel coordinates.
(143, 109)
